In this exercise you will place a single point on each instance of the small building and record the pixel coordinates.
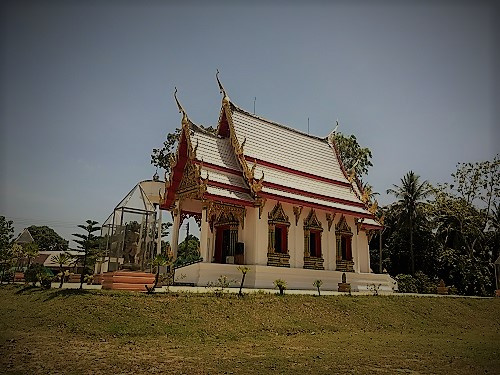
(270, 197)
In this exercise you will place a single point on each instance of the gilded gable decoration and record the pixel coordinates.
(254, 183)
(297, 210)
(312, 222)
(260, 202)
(329, 218)
(195, 215)
(342, 226)
(217, 211)
(277, 215)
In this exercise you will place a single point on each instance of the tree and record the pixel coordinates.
(62, 259)
(244, 270)
(352, 154)
(410, 194)
(31, 251)
(6, 252)
(161, 157)
(47, 239)
(188, 250)
(87, 242)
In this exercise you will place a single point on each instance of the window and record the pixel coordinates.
(315, 243)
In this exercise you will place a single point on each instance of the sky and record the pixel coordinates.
(86, 88)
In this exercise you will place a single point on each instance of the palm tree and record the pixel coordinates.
(62, 259)
(409, 195)
(87, 242)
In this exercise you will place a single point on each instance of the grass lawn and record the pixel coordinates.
(104, 332)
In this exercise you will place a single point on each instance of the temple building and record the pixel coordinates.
(272, 198)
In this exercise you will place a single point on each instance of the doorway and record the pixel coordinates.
(222, 244)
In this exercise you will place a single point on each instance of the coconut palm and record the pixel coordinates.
(410, 194)
(62, 259)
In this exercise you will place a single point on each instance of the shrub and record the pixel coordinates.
(38, 273)
(406, 283)
(424, 283)
(317, 284)
(281, 285)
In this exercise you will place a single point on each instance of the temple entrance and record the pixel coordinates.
(222, 244)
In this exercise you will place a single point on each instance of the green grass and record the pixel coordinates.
(71, 331)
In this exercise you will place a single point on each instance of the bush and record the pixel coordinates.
(38, 273)
(406, 283)
(8, 276)
(424, 284)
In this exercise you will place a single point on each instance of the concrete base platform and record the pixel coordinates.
(127, 280)
(262, 277)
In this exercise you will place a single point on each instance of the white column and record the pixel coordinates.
(175, 230)
(204, 232)
(158, 240)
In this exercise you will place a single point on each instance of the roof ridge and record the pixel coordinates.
(322, 139)
(201, 129)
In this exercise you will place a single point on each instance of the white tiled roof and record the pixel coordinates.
(214, 150)
(300, 154)
(225, 178)
(215, 190)
(306, 184)
(284, 146)
(322, 202)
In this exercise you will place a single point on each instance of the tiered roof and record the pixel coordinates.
(250, 158)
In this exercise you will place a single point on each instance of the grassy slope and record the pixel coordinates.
(109, 332)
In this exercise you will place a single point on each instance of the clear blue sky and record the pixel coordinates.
(86, 88)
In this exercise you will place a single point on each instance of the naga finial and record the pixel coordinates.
(181, 108)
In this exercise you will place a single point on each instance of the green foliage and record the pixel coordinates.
(419, 283)
(352, 154)
(88, 243)
(6, 233)
(161, 157)
(47, 239)
(281, 285)
(38, 273)
(406, 284)
(409, 206)
(220, 286)
(317, 284)
(188, 250)
(62, 259)
(6, 252)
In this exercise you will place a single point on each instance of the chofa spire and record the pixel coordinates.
(225, 97)
(181, 109)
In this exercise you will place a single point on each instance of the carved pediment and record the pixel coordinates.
(343, 227)
(190, 181)
(312, 222)
(277, 215)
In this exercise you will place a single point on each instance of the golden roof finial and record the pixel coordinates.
(181, 108)
(225, 98)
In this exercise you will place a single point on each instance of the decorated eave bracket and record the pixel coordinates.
(255, 184)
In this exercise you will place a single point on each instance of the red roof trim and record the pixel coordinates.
(314, 205)
(371, 226)
(313, 195)
(228, 187)
(295, 171)
(219, 168)
(228, 200)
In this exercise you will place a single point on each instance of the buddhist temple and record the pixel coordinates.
(270, 197)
